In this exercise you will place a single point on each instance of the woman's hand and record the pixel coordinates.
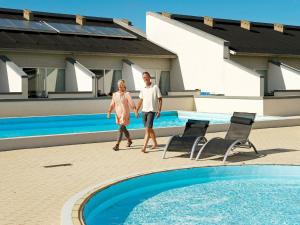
(108, 115)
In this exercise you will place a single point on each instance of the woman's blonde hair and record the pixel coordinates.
(121, 83)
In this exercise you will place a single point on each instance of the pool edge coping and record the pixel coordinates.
(72, 211)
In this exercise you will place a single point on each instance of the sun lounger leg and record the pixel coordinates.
(252, 145)
(229, 149)
(197, 141)
(167, 146)
(200, 151)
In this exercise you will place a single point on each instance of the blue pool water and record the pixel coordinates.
(212, 195)
(51, 125)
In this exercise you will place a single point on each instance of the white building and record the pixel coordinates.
(242, 65)
(55, 64)
(47, 55)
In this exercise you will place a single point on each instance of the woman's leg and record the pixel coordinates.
(116, 147)
(127, 135)
(120, 134)
(126, 132)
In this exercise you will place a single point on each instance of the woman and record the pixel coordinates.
(121, 100)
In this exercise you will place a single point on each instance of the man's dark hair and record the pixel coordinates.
(147, 73)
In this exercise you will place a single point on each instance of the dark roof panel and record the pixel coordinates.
(42, 41)
(260, 39)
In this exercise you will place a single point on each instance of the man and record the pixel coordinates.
(151, 99)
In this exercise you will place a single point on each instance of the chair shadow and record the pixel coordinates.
(250, 155)
(236, 156)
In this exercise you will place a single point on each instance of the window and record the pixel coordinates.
(44, 80)
(164, 82)
(117, 75)
(99, 82)
(107, 81)
(264, 73)
(55, 80)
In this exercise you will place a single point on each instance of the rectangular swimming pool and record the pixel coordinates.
(70, 124)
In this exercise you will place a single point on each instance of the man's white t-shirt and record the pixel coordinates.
(150, 97)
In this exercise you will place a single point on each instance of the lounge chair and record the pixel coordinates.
(237, 136)
(192, 136)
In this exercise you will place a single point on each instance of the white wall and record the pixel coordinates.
(84, 78)
(77, 106)
(89, 61)
(10, 76)
(201, 63)
(283, 77)
(132, 74)
(78, 78)
(229, 105)
(241, 81)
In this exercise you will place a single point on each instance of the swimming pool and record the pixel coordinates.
(68, 124)
(212, 195)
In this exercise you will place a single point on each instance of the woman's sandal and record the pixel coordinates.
(129, 143)
(116, 147)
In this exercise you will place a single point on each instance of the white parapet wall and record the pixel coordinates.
(79, 78)
(283, 77)
(282, 106)
(13, 80)
(45, 107)
(220, 104)
(268, 106)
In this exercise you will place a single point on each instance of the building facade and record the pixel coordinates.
(47, 55)
(241, 65)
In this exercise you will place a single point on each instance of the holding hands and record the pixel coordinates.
(136, 113)
(108, 115)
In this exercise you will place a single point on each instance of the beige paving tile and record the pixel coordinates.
(34, 195)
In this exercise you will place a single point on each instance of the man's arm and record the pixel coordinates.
(159, 107)
(139, 104)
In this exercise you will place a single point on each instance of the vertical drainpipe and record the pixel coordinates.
(226, 53)
(262, 86)
(94, 85)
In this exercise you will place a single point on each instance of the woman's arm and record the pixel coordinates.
(111, 107)
(131, 104)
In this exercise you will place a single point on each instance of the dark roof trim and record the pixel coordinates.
(71, 60)
(237, 53)
(19, 50)
(230, 21)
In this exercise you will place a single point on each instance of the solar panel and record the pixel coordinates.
(91, 30)
(24, 25)
(12, 24)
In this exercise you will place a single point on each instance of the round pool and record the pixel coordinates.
(263, 194)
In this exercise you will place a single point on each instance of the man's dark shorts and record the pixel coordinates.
(148, 118)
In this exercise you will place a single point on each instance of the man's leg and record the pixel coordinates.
(146, 139)
(153, 137)
(150, 121)
(147, 135)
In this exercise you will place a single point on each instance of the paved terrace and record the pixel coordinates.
(32, 194)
